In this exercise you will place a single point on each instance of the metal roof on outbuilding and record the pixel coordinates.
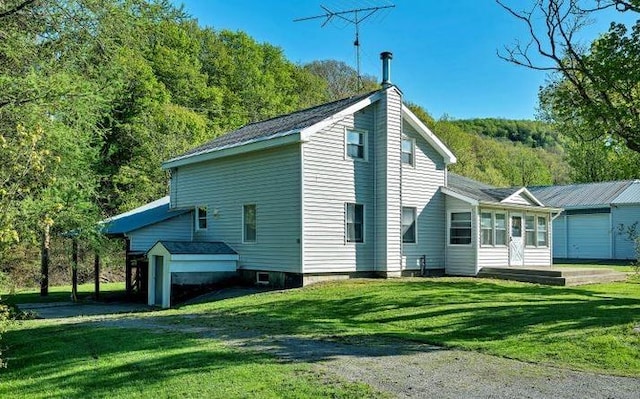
(146, 215)
(631, 195)
(581, 195)
(197, 248)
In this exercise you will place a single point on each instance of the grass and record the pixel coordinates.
(587, 328)
(620, 266)
(48, 360)
(62, 293)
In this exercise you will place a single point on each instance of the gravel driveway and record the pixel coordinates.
(399, 368)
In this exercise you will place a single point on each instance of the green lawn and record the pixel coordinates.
(62, 293)
(46, 360)
(620, 266)
(588, 327)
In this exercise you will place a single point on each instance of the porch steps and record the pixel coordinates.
(549, 276)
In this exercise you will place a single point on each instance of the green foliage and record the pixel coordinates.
(341, 79)
(527, 132)
(498, 162)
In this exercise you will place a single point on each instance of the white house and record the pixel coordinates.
(354, 187)
(594, 220)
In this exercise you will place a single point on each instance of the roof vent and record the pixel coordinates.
(386, 57)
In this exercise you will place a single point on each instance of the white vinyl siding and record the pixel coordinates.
(179, 228)
(421, 190)
(268, 178)
(330, 181)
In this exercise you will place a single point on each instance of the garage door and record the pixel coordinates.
(589, 236)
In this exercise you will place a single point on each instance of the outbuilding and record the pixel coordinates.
(596, 219)
(187, 263)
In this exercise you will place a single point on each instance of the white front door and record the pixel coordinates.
(516, 243)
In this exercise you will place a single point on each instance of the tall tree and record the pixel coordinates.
(595, 88)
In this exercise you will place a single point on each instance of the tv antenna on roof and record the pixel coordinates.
(355, 17)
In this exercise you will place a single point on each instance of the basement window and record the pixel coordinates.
(262, 278)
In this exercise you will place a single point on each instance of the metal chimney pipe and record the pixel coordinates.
(386, 57)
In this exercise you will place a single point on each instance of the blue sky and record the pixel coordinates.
(444, 51)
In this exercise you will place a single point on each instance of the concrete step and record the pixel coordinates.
(553, 277)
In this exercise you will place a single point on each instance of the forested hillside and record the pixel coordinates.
(95, 94)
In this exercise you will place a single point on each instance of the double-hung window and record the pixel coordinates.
(249, 224)
(201, 218)
(356, 144)
(408, 152)
(460, 228)
(408, 225)
(501, 229)
(354, 223)
(530, 230)
(542, 231)
(486, 226)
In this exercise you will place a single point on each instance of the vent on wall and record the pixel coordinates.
(262, 278)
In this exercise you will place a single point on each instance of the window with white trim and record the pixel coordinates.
(249, 224)
(500, 229)
(530, 230)
(356, 144)
(460, 228)
(354, 222)
(542, 240)
(408, 225)
(486, 227)
(201, 218)
(408, 152)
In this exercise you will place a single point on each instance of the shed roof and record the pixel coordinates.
(582, 195)
(197, 248)
(146, 215)
(278, 126)
(631, 195)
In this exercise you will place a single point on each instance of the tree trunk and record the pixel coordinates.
(44, 260)
(74, 270)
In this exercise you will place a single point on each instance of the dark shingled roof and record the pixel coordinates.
(477, 190)
(146, 215)
(576, 195)
(281, 125)
(197, 248)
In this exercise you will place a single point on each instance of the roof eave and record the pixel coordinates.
(276, 140)
(428, 135)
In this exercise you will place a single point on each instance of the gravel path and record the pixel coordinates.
(405, 370)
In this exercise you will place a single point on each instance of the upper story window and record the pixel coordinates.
(408, 151)
(356, 144)
(249, 224)
(354, 223)
(408, 225)
(460, 228)
(201, 218)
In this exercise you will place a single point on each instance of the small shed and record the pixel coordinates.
(187, 263)
(594, 217)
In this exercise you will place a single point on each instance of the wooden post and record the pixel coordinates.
(128, 267)
(96, 271)
(44, 260)
(74, 270)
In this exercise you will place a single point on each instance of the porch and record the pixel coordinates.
(553, 276)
